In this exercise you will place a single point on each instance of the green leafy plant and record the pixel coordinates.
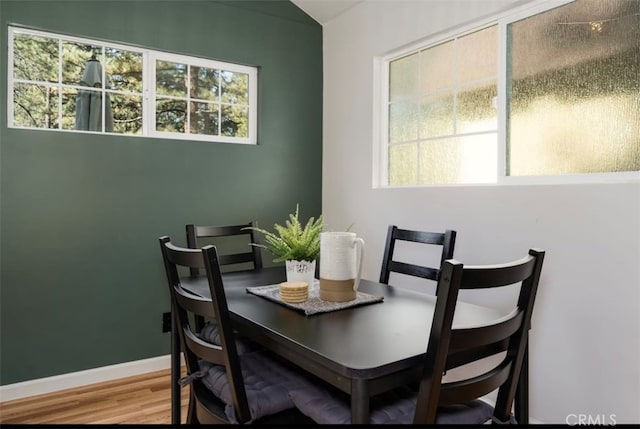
(293, 241)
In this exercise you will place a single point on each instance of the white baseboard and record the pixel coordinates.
(82, 378)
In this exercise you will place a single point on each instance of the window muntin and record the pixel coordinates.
(54, 79)
(491, 130)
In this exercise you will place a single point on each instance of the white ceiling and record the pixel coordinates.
(324, 11)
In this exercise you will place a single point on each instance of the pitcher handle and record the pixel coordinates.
(359, 242)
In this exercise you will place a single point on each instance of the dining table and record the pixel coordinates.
(362, 350)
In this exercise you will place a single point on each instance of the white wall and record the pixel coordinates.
(585, 340)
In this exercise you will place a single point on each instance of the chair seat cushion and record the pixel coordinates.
(243, 345)
(330, 406)
(267, 384)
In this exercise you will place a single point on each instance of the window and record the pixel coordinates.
(542, 93)
(65, 83)
(441, 112)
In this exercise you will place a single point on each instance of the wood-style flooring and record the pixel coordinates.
(141, 399)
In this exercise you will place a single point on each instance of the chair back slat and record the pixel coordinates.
(238, 258)
(203, 349)
(466, 390)
(498, 275)
(470, 338)
(414, 270)
(194, 304)
(419, 236)
(465, 355)
(191, 258)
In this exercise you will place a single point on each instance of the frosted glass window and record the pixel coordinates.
(403, 78)
(458, 160)
(563, 101)
(437, 67)
(436, 119)
(438, 98)
(403, 124)
(475, 108)
(403, 169)
(574, 99)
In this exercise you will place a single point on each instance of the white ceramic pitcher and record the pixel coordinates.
(341, 255)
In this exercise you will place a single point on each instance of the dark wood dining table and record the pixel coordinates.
(363, 350)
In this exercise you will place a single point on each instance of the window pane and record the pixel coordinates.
(69, 102)
(437, 115)
(476, 112)
(437, 68)
(124, 70)
(89, 106)
(403, 121)
(235, 121)
(171, 115)
(171, 79)
(35, 58)
(469, 159)
(478, 55)
(204, 118)
(204, 83)
(127, 113)
(35, 106)
(235, 87)
(75, 62)
(574, 90)
(403, 167)
(403, 77)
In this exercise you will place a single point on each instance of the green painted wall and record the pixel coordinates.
(82, 280)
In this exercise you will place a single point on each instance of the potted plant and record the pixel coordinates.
(297, 245)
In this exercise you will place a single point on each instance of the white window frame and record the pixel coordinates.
(380, 152)
(149, 58)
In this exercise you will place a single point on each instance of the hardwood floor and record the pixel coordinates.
(139, 399)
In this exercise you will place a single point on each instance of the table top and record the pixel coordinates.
(362, 342)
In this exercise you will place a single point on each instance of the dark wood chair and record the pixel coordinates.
(235, 253)
(226, 387)
(455, 402)
(445, 239)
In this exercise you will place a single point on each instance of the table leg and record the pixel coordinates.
(175, 371)
(359, 401)
(522, 392)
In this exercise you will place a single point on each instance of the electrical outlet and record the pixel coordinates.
(166, 322)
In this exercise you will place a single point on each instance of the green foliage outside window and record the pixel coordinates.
(189, 98)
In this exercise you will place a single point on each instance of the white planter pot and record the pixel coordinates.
(301, 271)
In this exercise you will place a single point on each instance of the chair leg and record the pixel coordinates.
(192, 418)
(522, 394)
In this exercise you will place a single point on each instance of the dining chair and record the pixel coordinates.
(449, 346)
(445, 239)
(237, 236)
(226, 387)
